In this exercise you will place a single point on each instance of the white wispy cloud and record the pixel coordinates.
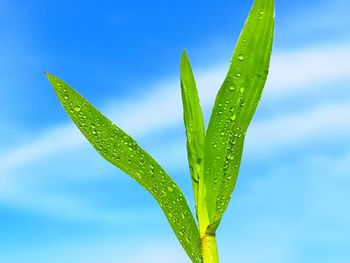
(323, 122)
(45, 144)
(296, 71)
(145, 250)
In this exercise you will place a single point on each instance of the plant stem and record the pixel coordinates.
(208, 240)
(210, 249)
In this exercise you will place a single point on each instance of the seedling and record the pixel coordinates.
(214, 156)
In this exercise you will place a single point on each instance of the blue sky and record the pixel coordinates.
(61, 202)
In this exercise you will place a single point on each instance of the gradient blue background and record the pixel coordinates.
(61, 202)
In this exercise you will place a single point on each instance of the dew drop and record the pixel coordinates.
(77, 108)
(138, 175)
(241, 90)
(233, 117)
(230, 157)
(232, 88)
(261, 15)
(241, 57)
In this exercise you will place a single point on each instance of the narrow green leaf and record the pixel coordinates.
(234, 108)
(122, 151)
(194, 124)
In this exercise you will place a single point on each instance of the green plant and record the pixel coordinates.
(214, 157)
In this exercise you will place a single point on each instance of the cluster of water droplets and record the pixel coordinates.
(228, 133)
(238, 97)
(122, 151)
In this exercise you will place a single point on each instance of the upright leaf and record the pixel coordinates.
(194, 124)
(234, 107)
(122, 151)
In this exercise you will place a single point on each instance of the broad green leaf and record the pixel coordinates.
(234, 108)
(194, 124)
(122, 151)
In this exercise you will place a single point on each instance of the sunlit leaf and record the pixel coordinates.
(234, 108)
(122, 151)
(194, 124)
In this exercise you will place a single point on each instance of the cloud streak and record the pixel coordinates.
(326, 121)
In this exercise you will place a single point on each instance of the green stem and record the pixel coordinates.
(210, 249)
(208, 240)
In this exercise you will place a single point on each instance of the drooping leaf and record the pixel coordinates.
(194, 124)
(234, 108)
(122, 151)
